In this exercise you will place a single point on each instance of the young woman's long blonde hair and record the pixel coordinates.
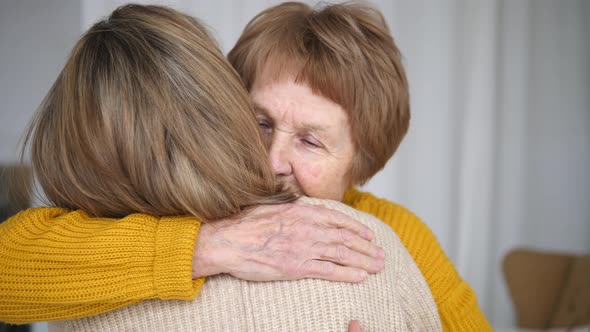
(148, 116)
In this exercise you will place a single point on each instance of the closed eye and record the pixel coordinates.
(312, 143)
(265, 126)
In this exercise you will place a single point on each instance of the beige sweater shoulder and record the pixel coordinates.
(397, 299)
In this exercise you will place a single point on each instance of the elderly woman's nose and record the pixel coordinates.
(280, 157)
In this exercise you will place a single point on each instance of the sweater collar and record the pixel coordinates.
(351, 196)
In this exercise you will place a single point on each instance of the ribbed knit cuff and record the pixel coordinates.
(175, 242)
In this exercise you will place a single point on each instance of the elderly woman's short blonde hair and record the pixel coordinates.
(344, 52)
(148, 116)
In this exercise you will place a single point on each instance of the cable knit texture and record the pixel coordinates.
(30, 292)
(397, 299)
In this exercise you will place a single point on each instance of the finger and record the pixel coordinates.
(344, 256)
(365, 247)
(329, 217)
(354, 326)
(340, 220)
(352, 241)
(333, 272)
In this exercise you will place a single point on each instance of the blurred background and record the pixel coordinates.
(498, 153)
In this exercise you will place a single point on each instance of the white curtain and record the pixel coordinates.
(498, 154)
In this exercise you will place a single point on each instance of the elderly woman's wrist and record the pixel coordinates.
(205, 258)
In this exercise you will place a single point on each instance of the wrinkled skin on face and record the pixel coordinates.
(309, 136)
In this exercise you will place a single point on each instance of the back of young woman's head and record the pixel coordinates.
(148, 116)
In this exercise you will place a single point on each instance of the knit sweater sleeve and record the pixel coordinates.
(456, 301)
(59, 264)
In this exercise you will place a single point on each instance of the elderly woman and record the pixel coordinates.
(333, 103)
(332, 100)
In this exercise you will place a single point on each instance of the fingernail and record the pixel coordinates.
(363, 274)
(380, 253)
(368, 235)
(379, 265)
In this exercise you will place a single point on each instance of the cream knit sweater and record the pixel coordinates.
(397, 299)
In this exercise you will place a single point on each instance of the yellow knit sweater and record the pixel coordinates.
(60, 264)
(456, 301)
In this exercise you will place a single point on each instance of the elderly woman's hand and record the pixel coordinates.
(354, 326)
(288, 242)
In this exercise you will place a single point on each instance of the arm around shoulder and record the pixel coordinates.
(60, 264)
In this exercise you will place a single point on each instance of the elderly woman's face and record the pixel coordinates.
(311, 146)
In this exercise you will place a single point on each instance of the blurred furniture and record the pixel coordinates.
(15, 188)
(548, 290)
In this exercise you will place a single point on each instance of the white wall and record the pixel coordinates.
(558, 133)
(35, 38)
(498, 153)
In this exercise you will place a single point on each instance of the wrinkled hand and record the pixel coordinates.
(288, 242)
